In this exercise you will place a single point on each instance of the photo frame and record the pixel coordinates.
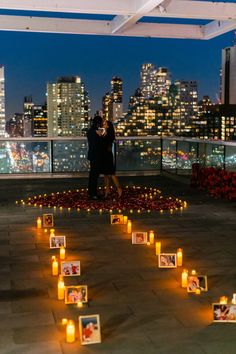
(224, 313)
(57, 241)
(89, 329)
(75, 293)
(139, 238)
(70, 268)
(197, 282)
(48, 220)
(117, 219)
(167, 260)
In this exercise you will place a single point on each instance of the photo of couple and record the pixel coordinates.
(101, 136)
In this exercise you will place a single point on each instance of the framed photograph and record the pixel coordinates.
(57, 241)
(70, 268)
(139, 238)
(48, 220)
(117, 219)
(197, 282)
(76, 293)
(167, 260)
(89, 329)
(224, 313)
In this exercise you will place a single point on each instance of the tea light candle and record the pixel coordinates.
(129, 226)
(198, 291)
(39, 223)
(125, 219)
(62, 252)
(79, 304)
(158, 248)
(70, 331)
(223, 300)
(193, 272)
(60, 288)
(54, 266)
(151, 237)
(184, 278)
(179, 257)
(64, 321)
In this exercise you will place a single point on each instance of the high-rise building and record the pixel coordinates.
(39, 120)
(155, 82)
(28, 116)
(112, 103)
(228, 79)
(14, 126)
(186, 108)
(68, 107)
(106, 102)
(2, 103)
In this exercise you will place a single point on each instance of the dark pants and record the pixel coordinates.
(93, 178)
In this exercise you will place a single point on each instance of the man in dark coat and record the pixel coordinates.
(94, 136)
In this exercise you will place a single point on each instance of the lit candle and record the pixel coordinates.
(70, 331)
(179, 257)
(223, 300)
(185, 204)
(158, 248)
(52, 232)
(193, 272)
(60, 288)
(45, 230)
(198, 291)
(64, 321)
(125, 219)
(148, 243)
(79, 304)
(54, 266)
(151, 237)
(62, 252)
(234, 299)
(129, 226)
(184, 278)
(39, 223)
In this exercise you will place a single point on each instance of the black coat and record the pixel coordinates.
(94, 145)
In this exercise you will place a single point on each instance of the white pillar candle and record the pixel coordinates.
(184, 278)
(60, 288)
(62, 253)
(158, 248)
(129, 226)
(179, 257)
(70, 331)
(151, 237)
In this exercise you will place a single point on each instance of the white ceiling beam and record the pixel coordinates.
(216, 28)
(92, 27)
(143, 7)
(106, 7)
(53, 25)
(164, 30)
(196, 10)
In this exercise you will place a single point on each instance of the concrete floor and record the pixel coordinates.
(143, 309)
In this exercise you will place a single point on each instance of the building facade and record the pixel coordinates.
(228, 76)
(2, 103)
(68, 107)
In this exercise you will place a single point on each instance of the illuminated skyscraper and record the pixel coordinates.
(2, 103)
(155, 82)
(39, 120)
(28, 116)
(112, 106)
(186, 108)
(106, 102)
(68, 107)
(228, 79)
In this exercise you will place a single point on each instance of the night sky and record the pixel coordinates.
(33, 59)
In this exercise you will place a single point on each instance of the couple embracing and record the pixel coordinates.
(101, 136)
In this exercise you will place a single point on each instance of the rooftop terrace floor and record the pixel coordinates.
(143, 309)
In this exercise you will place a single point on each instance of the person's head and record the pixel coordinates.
(97, 122)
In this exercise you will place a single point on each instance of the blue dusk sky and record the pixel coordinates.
(33, 59)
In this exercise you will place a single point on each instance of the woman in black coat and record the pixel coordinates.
(108, 164)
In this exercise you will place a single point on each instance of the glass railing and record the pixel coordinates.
(32, 156)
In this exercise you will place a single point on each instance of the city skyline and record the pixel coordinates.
(97, 59)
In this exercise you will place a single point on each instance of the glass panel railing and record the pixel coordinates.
(70, 156)
(214, 155)
(230, 158)
(138, 154)
(168, 154)
(24, 157)
(187, 154)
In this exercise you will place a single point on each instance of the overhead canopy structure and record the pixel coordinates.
(134, 18)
